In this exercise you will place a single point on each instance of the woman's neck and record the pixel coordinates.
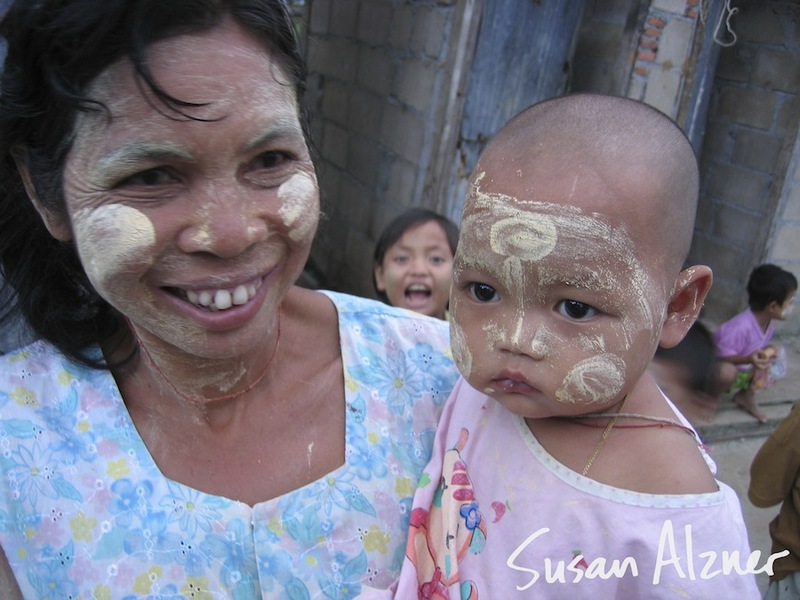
(163, 375)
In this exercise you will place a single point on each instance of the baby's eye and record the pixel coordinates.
(578, 311)
(482, 292)
(400, 259)
(438, 260)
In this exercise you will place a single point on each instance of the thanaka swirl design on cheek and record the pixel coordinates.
(593, 380)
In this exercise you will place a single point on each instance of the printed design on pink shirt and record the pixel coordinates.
(439, 539)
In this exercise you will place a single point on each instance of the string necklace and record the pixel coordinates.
(187, 398)
(660, 422)
(604, 436)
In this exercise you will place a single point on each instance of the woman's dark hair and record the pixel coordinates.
(413, 217)
(56, 48)
(767, 284)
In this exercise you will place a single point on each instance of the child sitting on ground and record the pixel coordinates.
(414, 262)
(746, 361)
(559, 468)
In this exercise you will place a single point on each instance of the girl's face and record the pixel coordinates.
(417, 270)
(553, 310)
(194, 229)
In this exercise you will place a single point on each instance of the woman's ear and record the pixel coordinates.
(58, 225)
(380, 284)
(691, 289)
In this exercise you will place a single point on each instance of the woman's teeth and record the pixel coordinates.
(223, 299)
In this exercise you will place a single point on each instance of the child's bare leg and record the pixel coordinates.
(746, 399)
(724, 376)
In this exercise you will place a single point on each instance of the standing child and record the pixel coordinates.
(747, 362)
(560, 469)
(414, 262)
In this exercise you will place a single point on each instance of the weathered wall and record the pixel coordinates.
(390, 77)
(382, 72)
(750, 199)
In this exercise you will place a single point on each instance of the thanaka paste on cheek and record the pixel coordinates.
(594, 379)
(109, 238)
(298, 196)
(461, 354)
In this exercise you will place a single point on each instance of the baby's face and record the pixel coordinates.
(553, 310)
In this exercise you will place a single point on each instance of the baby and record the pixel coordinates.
(560, 469)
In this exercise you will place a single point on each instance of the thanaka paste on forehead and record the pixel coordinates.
(596, 378)
(571, 222)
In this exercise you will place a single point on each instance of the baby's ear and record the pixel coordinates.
(684, 306)
(58, 225)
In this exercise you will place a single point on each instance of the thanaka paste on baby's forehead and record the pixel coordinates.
(580, 240)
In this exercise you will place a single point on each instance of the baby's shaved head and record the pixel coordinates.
(616, 143)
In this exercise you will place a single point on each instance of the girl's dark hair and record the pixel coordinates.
(55, 49)
(767, 284)
(413, 217)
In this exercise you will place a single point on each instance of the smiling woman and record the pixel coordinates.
(193, 431)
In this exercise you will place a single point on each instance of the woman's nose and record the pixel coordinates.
(225, 225)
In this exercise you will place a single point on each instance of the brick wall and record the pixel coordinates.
(664, 55)
(380, 79)
(385, 84)
(750, 202)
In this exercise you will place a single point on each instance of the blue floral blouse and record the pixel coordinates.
(86, 513)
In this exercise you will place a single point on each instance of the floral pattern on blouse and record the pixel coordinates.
(85, 512)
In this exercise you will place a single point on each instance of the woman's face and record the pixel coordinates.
(196, 228)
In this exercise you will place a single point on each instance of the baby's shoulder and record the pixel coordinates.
(660, 451)
(674, 464)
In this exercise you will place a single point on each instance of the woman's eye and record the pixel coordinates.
(482, 292)
(272, 159)
(150, 177)
(578, 311)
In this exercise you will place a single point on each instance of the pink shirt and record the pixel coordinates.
(741, 335)
(496, 516)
